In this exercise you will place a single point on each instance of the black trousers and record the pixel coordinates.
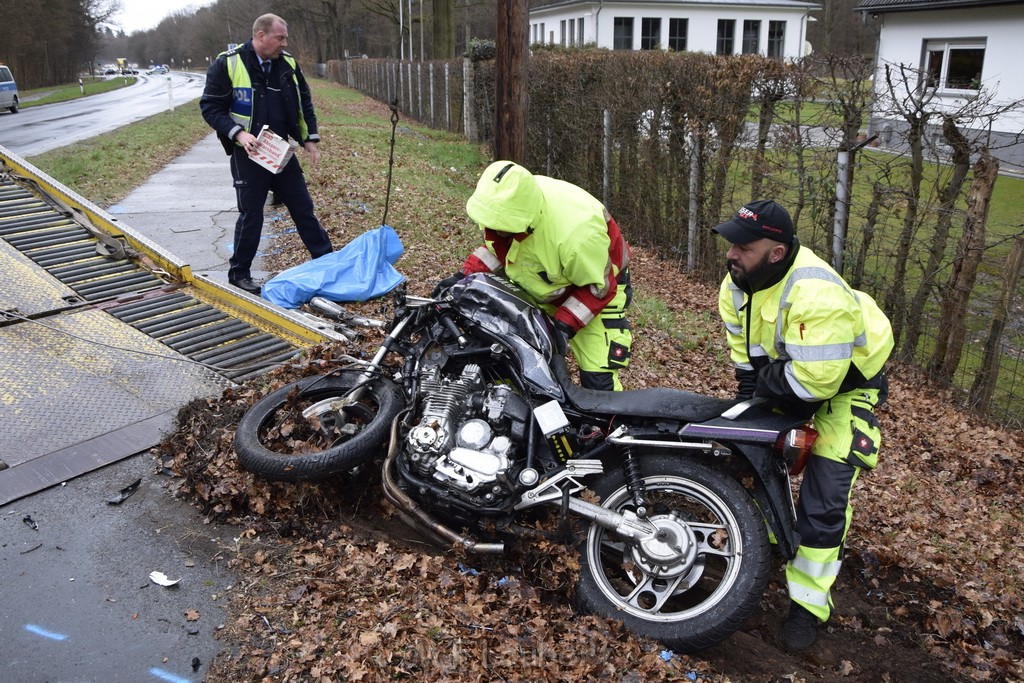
(252, 184)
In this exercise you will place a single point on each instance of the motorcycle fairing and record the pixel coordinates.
(504, 310)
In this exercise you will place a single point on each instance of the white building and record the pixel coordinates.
(776, 28)
(959, 49)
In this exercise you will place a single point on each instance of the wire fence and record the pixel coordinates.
(675, 143)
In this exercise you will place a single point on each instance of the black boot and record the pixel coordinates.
(800, 630)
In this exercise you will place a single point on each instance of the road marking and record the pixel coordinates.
(40, 631)
(168, 676)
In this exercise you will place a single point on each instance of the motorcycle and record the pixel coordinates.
(677, 492)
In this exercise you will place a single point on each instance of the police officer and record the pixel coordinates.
(800, 337)
(253, 85)
(562, 246)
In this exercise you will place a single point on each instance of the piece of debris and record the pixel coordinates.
(192, 615)
(196, 663)
(125, 493)
(161, 579)
(31, 523)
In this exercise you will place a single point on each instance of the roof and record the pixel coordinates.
(914, 5)
(785, 4)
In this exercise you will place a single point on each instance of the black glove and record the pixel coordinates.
(563, 333)
(773, 385)
(747, 383)
(446, 283)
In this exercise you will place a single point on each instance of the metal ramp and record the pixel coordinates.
(103, 339)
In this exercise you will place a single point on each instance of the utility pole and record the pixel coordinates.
(510, 99)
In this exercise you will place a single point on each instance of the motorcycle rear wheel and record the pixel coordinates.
(704, 575)
(276, 442)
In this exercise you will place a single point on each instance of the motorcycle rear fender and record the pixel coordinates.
(772, 494)
(754, 431)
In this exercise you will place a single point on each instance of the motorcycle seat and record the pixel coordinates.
(658, 402)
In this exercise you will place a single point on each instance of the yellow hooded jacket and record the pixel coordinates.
(558, 242)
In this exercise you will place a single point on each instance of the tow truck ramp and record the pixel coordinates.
(104, 335)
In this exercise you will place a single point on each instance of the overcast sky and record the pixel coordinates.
(141, 15)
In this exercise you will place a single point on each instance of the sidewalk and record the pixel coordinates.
(189, 208)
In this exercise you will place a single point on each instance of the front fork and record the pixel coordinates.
(338, 404)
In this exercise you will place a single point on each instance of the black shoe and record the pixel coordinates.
(800, 629)
(248, 284)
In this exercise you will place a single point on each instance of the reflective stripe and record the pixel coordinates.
(601, 291)
(814, 273)
(737, 298)
(757, 351)
(744, 366)
(816, 569)
(488, 259)
(578, 309)
(820, 352)
(808, 595)
(799, 389)
(736, 330)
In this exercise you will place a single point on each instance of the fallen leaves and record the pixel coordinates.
(339, 589)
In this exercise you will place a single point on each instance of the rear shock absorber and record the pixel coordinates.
(634, 482)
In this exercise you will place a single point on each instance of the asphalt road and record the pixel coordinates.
(39, 129)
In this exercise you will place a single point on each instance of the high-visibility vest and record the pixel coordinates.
(241, 91)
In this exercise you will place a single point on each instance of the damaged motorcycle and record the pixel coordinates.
(675, 498)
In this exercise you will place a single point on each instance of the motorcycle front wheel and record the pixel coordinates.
(275, 441)
(703, 573)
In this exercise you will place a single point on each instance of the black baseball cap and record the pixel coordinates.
(763, 218)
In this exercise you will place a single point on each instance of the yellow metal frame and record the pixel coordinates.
(265, 316)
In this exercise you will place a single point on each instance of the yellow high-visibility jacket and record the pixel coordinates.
(820, 336)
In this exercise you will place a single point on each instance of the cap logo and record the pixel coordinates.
(744, 212)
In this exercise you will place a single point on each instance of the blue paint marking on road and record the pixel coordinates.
(167, 676)
(40, 631)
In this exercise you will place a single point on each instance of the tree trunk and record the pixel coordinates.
(895, 300)
(764, 126)
(961, 158)
(985, 381)
(878, 192)
(950, 344)
(444, 30)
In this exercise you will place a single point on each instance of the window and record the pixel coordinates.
(677, 34)
(953, 65)
(776, 39)
(561, 32)
(572, 31)
(726, 36)
(650, 33)
(623, 33)
(751, 36)
(579, 28)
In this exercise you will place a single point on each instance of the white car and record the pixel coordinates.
(8, 91)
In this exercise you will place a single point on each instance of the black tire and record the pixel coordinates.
(263, 451)
(701, 596)
(15, 106)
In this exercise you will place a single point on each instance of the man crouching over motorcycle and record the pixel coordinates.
(801, 337)
(561, 245)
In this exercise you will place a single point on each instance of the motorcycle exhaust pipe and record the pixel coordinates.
(418, 518)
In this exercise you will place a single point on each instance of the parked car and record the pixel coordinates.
(8, 91)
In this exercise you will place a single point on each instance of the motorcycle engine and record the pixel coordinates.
(465, 438)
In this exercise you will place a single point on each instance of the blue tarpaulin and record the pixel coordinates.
(361, 270)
